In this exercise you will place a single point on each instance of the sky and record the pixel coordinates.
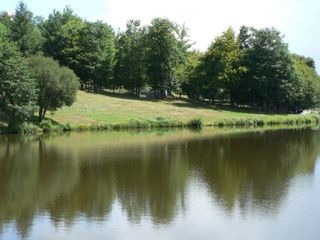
(298, 20)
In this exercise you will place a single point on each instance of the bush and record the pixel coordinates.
(29, 128)
(196, 123)
(48, 126)
(67, 127)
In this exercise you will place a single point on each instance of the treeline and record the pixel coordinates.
(254, 69)
(41, 61)
(30, 80)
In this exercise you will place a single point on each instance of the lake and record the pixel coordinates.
(177, 184)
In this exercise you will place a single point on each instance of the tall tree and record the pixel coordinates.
(190, 81)
(5, 19)
(54, 38)
(3, 31)
(130, 57)
(17, 87)
(120, 71)
(270, 69)
(305, 93)
(220, 67)
(163, 55)
(96, 53)
(85, 47)
(25, 32)
(185, 59)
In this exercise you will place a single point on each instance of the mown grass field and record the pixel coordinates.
(93, 109)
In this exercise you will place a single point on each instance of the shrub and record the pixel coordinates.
(48, 126)
(196, 123)
(29, 128)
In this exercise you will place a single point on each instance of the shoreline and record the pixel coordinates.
(49, 126)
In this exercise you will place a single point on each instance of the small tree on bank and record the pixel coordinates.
(57, 85)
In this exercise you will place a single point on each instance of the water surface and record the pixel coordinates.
(161, 185)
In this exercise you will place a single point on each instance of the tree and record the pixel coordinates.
(3, 31)
(96, 53)
(55, 37)
(62, 38)
(24, 31)
(57, 85)
(85, 47)
(17, 87)
(5, 19)
(305, 92)
(119, 70)
(163, 56)
(130, 57)
(270, 72)
(185, 56)
(189, 83)
(219, 68)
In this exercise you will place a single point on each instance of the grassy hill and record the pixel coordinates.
(95, 109)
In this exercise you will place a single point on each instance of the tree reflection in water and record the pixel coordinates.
(85, 174)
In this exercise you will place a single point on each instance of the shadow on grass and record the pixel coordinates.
(221, 108)
(127, 96)
(35, 121)
(188, 103)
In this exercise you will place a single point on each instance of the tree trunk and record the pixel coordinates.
(42, 113)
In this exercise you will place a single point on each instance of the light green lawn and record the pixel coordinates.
(101, 109)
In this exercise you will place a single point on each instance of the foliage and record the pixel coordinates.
(195, 123)
(56, 34)
(219, 69)
(5, 20)
(307, 88)
(274, 121)
(256, 70)
(17, 87)
(164, 56)
(57, 85)
(270, 73)
(24, 31)
(189, 83)
(29, 129)
(3, 31)
(85, 47)
(96, 53)
(130, 70)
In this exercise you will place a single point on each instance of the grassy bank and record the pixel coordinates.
(117, 112)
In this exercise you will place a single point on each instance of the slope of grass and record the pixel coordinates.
(115, 110)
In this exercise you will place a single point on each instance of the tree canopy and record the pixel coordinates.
(57, 86)
(255, 69)
(130, 59)
(24, 31)
(85, 47)
(17, 87)
(163, 55)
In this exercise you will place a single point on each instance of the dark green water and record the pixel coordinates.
(161, 185)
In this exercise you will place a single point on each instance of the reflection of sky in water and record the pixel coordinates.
(204, 217)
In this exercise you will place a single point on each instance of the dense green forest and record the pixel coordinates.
(43, 62)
